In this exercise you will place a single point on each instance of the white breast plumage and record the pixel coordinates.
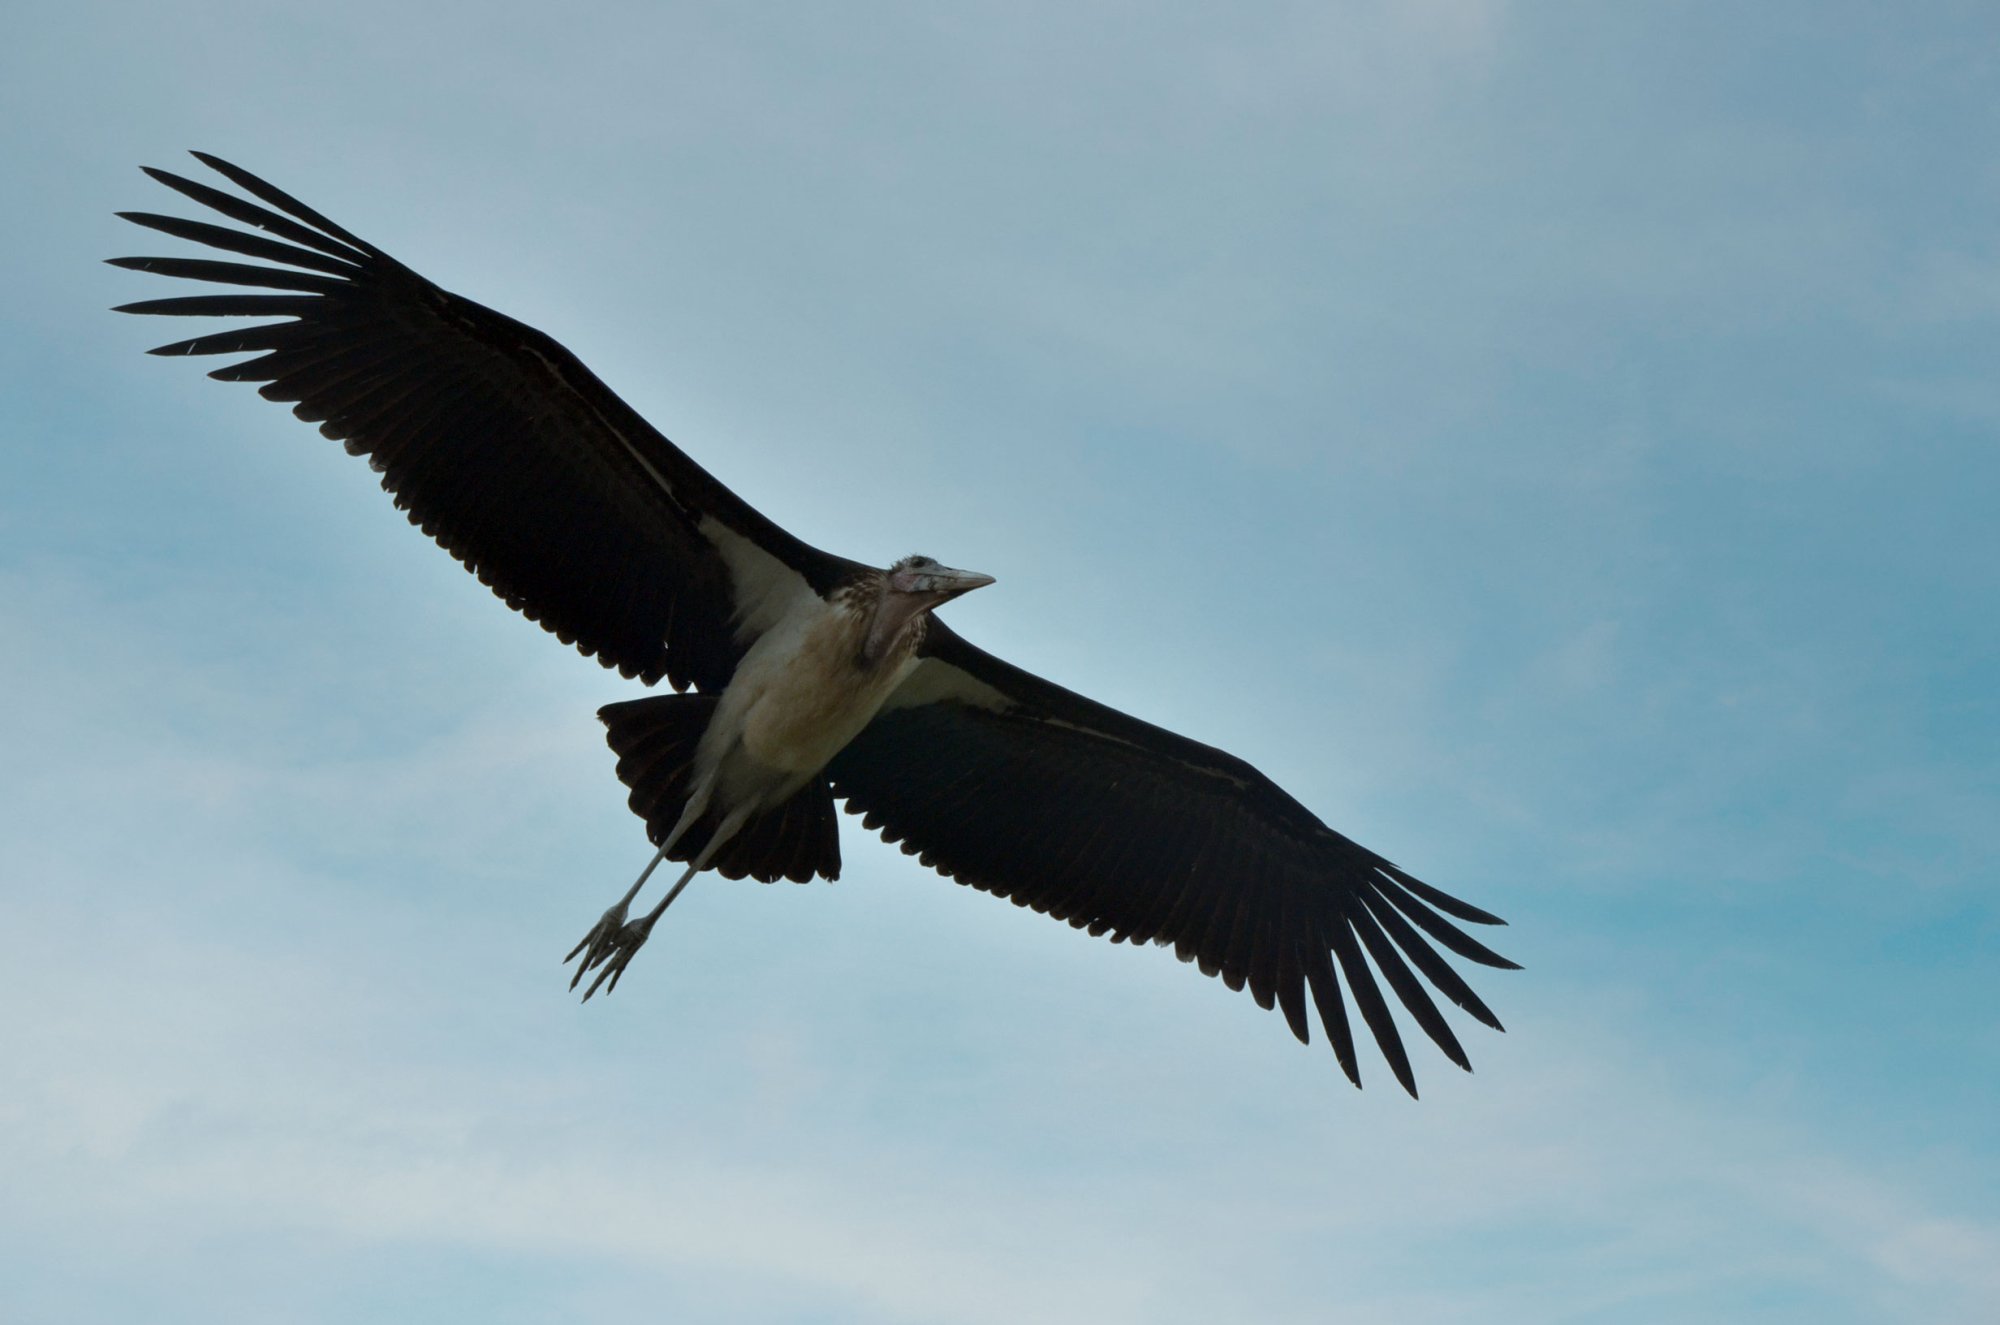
(796, 699)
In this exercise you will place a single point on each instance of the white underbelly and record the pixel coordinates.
(796, 700)
(798, 729)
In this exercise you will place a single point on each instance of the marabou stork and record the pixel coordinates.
(813, 677)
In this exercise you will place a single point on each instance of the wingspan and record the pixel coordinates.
(1023, 789)
(498, 442)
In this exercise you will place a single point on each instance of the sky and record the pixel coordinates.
(1555, 441)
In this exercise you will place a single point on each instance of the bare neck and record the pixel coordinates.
(895, 626)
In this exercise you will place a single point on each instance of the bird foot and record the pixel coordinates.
(609, 947)
(596, 945)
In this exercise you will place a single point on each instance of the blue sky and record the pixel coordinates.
(1555, 441)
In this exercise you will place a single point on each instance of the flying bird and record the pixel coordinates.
(799, 677)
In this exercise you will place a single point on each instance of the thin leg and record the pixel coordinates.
(633, 934)
(629, 939)
(615, 917)
(597, 944)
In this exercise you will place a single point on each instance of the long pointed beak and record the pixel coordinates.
(947, 583)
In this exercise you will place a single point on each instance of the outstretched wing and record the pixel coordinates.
(497, 441)
(1026, 790)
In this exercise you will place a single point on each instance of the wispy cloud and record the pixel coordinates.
(1554, 444)
(211, 1064)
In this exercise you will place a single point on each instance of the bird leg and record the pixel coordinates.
(615, 949)
(597, 944)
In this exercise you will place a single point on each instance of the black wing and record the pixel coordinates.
(497, 441)
(1026, 790)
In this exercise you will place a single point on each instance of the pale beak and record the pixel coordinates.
(947, 584)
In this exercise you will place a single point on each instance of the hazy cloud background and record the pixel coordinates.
(1556, 441)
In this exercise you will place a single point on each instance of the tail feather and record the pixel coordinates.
(655, 739)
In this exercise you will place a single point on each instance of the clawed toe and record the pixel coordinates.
(598, 943)
(611, 942)
(617, 955)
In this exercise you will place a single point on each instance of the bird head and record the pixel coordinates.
(910, 588)
(922, 578)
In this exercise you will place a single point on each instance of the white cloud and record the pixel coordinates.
(1490, 386)
(219, 1040)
